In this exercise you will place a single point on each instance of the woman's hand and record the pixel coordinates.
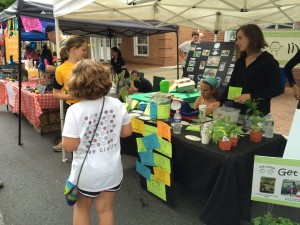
(242, 98)
(296, 91)
(214, 105)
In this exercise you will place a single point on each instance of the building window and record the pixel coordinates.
(141, 46)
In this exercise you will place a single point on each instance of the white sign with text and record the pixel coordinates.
(276, 180)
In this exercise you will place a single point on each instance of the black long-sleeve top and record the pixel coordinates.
(289, 66)
(261, 79)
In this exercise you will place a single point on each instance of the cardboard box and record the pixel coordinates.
(183, 85)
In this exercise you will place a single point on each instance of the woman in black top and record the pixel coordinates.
(119, 69)
(255, 71)
(289, 75)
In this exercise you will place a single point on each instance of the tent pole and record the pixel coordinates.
(177, 43)
(20, 77)
(61, 103)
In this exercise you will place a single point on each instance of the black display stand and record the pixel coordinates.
(214, 59)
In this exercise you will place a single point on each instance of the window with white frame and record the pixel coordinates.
(141, 46)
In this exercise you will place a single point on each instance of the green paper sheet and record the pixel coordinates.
(234, 92)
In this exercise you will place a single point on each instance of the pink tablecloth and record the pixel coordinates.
(3, 94)
(33, 105)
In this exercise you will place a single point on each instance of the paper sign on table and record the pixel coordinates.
(153, 110)
(134, 104)
(147, 158)
(234, 92)
(147, 110)
(143, 170)
(162, 162)
(140, 145)
(157, 188)
(138, 126)
(162, 176)
(150, 129)
(151, 142)
(163, 111)
(164, 130)
(165, 147)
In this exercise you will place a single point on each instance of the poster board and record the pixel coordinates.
(276, 180)
(283, 44)
(12, 46)
(214, 59)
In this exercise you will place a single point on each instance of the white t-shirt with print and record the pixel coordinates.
(102, 168)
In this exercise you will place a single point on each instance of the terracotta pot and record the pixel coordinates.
(256, 137)
(225, 145)
(234, 141)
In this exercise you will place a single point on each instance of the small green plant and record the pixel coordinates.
(269, 219)
(221, 128)
(254, 115)
(236, 130)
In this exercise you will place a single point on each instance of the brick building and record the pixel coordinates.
(162, 48)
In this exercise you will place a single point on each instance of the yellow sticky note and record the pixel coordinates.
(138, 126)
(165, 147)
(162, 176)
(163, 130)
(163, 111)
(140, 145)
(234, 92)
(157, 188)
(162, 162)
(126, 106)
(134, 104)
(149, 129)
(147, 110)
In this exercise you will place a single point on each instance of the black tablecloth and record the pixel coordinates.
(224, 178)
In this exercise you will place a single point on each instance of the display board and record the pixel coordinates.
(283, 44)
(276, 180)
(214, 59)
(155, 165)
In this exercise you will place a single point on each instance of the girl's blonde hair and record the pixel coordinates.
(73, 41)
(89, 80)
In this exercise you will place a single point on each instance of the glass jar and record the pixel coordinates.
(160, 107)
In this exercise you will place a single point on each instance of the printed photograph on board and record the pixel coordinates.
(192, 63)
(290, 188)
(205, 52)
(222, 66)
(267, 185)
(190, 69)
(197, 54)
(213, 61)
(225, 52)
(210, 72)
(202, 65)
(229, 72)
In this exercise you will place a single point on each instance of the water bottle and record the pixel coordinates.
(269, 126)
(177, 123)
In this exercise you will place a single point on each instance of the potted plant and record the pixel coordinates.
(256, 119)
(235, 133)
(269, 219)
(221, 134)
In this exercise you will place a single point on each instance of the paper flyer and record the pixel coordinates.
(276, 180)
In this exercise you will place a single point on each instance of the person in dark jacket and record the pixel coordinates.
(255, 71)
(289, 76)
(139, 84)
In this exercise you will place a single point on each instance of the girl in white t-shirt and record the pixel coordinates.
(102, 171)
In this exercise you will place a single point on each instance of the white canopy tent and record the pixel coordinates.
(210, 15)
